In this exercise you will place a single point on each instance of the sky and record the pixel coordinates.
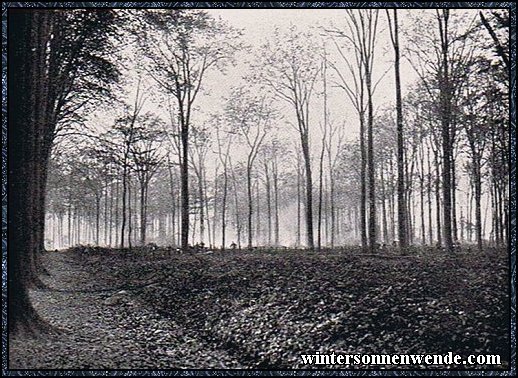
(258, 25)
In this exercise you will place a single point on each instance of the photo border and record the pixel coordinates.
(280, 5)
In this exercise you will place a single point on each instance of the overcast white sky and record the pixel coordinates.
(259, 25)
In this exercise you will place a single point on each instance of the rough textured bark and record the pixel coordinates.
(27, 41)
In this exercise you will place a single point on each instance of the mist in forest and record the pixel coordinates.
(249, 110)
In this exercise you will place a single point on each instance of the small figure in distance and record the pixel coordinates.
(233, 246)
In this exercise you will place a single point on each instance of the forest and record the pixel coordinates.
(258, 183)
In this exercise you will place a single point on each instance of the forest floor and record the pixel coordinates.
(263, 309)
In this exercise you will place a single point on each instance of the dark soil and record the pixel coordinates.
(263, 309)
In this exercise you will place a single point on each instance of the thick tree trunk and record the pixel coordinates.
(28, 34)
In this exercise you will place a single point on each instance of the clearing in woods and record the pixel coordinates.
(262, 309)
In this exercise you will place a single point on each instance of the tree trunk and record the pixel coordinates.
(202, 205)
(320, 197)
(445, 105)
(143, 215)
(224, 209)
(268, 202)
(276, 201)
(28, 36)
(438, 200)
(298, 204)
(454, 226)
(184, 178)
(371, 168)
(250, 205)
(429, 196)
(384, 222)
(363, 187)
(309, 192)
(402, 213)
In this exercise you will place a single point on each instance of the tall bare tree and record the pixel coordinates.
(402, 210)
(289, 66)
(182, 46)
(251, 117)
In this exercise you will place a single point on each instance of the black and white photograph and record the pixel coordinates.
(255, 188)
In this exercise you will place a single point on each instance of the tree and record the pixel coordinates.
(402, 213)
(361, 36)
(182, 46)
(500, 47)
(441, 58)
(147, 158)
(223, 145)
(201, 142)
(56, 63)
(250, 117)
(289, 66)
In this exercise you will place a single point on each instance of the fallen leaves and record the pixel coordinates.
(265, 308)
(258, 309)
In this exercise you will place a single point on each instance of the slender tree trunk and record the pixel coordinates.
(236, 205)
(429, 197)
(202, 204)
(309, 191)
(250, 205)
(445, 105)
(143, 215)
(276, 201)
(363, 187)
(421, 193)
(371, 166)
(257, 213)
(402, 212)
(97, 217)
(320, 196)
(298, 203)
(224, 209)
(438, 201)
(454, 225)
(268, 202)
(184, 178)
(333, 208)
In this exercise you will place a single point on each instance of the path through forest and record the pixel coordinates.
(103, 328)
